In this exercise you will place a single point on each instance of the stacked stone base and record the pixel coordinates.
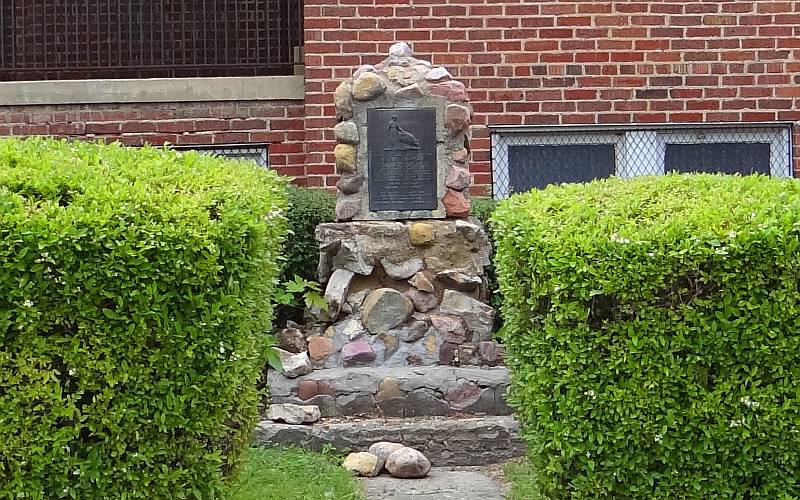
(397, 392)
(404, 294)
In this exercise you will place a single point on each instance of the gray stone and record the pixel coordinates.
(385, 309)
(422, 301)
(425, 402)
(438, 74)
(347, 207)
(409, 91)
(402, 270)
(421, 283)
(393, 407)
(468, 229)
(292, 340)
(343, 100)
(465, 483)
(336, 291)
(382, 450)
(408, 463)
(293, 414)
(400, 49)
(357, 298)
(356, 404)
(352, 256)
(413, 332)
(294, 365)
(350, 184)
(479, 316)
(362, 464)
(346, 132)
(357, 352)
(455, 279)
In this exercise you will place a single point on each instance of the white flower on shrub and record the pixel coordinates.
(737, 423)
(221, 348)
(590, 393)
(659, 438)
(732, 234)
(28, 303)
(619, 239)
(749, 402)
(588, 454)
(721, 251)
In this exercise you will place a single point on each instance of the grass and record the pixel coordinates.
(285, 473)
(523, 480)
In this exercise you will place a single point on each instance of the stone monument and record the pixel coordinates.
(404, 264)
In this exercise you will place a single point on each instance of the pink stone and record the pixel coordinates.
(412, 90)
(457, 178)
(453, 91)
(491, 353)
(457, 117)
(455, 204)
(357, 352)
(452, 328)
(462, 395)
(320, 348)
(461, 155)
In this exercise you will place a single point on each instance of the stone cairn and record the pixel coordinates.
(403, 266)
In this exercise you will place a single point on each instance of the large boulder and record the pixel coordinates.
(384, 309)
(383, 449)
(408, 463)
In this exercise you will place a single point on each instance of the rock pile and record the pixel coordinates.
(406, 293)
(398, 460)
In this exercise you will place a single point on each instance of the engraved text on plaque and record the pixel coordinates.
(402, 159)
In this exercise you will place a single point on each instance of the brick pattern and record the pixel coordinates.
(277, 123)
(566, 62)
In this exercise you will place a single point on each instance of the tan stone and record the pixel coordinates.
(343, 100)
(320, 348)
(389, 389)
(421, 283)
(362, 464)
(420, 233)
(345, 155)
(389, 341)
(368, 86)
(455, 204)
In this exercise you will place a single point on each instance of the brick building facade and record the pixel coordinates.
(525, 63)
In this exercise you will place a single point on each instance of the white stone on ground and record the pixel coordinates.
(382, 450)
(408, 463)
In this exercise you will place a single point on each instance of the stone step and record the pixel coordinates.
(442, 483)
(445, 441)
(397, 392)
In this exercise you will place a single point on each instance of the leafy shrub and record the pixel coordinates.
(135, 295)
(307, 209)
(652, 329)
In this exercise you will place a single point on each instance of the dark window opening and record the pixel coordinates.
(720, 157)
(537, 166)
(66, 39)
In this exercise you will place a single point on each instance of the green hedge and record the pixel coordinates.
(653, 330)
(135, 297)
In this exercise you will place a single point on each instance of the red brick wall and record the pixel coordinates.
(278, 123)
(566, 62)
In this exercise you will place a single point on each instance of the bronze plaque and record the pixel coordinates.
(402, 159)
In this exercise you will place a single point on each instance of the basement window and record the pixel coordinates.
(528, 158)
(256, 153)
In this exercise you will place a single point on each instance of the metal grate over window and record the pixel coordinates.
(526, 158)
(68, 39)
(257, 153)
